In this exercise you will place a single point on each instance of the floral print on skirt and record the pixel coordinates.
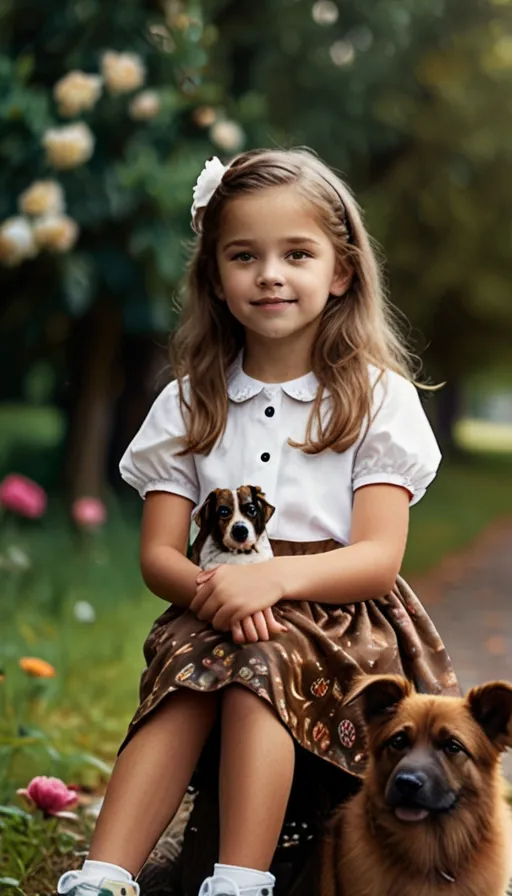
(306, 672)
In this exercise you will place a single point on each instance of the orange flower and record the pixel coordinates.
(37, 668)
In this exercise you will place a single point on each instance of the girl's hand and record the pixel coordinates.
(258, 627)
(228, 594)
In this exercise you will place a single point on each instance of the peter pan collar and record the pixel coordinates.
(242, 387)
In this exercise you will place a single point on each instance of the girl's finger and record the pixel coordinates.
(221, 620)
(249, 630)
(237, 633)
(260, 625)
(274, 627)
(205, 575)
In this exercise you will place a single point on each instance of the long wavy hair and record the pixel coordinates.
(357, 329)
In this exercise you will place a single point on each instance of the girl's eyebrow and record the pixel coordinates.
(289, 240)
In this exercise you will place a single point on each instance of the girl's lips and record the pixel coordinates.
(273, 302)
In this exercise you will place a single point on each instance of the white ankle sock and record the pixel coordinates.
(99, 870)
(244, 877)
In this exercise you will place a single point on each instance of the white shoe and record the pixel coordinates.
(73, 883)
(223, 886)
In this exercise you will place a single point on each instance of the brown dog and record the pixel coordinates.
(431, 817)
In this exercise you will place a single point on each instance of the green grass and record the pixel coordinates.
(466, 496)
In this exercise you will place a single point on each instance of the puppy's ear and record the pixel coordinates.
(259, 497)
(379, 695)
(491, 706)
(204, 514)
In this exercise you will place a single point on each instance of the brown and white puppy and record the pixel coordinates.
(232, 527)
(431, 818)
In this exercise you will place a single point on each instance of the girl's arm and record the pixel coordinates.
(165, 568)
(368, 566)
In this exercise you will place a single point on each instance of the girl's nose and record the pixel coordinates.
(269, 276)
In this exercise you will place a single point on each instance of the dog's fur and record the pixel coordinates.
(232, 527)
(431, 818)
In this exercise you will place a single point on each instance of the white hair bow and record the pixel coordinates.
(205, 187)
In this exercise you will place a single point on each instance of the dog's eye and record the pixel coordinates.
(452, 747)
(224, 512)
(251, 511)
(399, 741)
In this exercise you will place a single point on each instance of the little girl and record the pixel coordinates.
(289, 376)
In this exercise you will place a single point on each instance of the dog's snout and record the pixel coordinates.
(409, 783)
(239, 532)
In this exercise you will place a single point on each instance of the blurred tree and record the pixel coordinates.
(411, 100)
(108, 108)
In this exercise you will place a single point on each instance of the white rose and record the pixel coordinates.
(16, 242)
(43, 197)
(145, 105)
(57, 233)
(77, 92)
(84, 611)
(228, 135)
(123, 72)
(69, 146)
(204, 116)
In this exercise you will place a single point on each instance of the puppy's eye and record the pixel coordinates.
(452, 747)
(251, 511)
(224, 512)
(399, 741)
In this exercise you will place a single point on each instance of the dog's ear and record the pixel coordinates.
(258, 496)
(204, 513)
(379, 695)
(491, 706)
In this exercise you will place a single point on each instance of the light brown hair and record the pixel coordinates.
(356, 329)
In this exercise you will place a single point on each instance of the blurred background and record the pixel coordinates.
(107, 114)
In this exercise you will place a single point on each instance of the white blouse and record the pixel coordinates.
(312, 494)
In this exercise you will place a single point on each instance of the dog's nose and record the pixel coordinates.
(240, 532)
(409, 783)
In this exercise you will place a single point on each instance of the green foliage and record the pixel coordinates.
(132, 199)
(32, 845)
(70, 725)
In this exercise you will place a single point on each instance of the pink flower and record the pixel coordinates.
(22, 496)
(50, 795)
(88, 512)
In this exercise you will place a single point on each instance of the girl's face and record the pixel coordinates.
(277, 266)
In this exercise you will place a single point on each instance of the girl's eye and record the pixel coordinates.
(251, 511)
(224, 512)
(243, 256)
(299, 255)
(452, 747)
(399, 741)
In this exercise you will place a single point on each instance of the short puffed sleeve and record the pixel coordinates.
(399, 446)
(151, 462)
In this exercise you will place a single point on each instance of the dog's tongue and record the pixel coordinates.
(409, 814)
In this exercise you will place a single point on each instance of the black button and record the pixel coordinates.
(269, 412)
(265, 457)
(264, 892)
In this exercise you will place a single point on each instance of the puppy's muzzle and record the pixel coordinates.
(239, 532)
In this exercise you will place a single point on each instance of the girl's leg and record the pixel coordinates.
(256, 772)
(150, 779)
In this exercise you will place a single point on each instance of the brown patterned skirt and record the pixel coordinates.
(304, 672)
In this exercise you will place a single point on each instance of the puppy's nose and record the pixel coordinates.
(409, 783)
(240, 532)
